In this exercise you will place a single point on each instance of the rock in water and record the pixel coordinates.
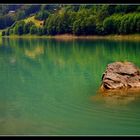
(121, 75)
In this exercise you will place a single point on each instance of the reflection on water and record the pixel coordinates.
(117, 98)
(34, 53)
(50, 86)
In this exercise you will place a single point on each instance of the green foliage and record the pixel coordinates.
(7, 32)
(76, 27)
(60, 23)
(27, 26)
(42, 15)
(19, 28)
(73, 8)
(122, 24)
(138, 9)
(102, 13)
(21, 15)
(125, 8)
(109, 25)
(33, 30)
(73, 19)
(99, 29)
(40, 31)
(3, 33)
(51, 24)
(84, 23)
(11, 31)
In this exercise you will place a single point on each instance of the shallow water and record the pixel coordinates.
(49, 87)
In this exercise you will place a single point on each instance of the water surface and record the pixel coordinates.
(49, 87)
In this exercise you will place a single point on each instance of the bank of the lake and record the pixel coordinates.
(71, 37)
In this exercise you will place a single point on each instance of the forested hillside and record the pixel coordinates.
(70, 19)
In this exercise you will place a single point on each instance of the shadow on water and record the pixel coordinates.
(118, 97)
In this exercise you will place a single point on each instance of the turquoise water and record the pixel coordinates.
(49, 87)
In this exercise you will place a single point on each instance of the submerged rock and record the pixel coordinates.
(121, 76)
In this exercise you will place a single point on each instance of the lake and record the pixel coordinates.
(50, 87)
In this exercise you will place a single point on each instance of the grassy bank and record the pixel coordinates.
(71, 37)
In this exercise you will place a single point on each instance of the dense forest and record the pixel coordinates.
(70, 19)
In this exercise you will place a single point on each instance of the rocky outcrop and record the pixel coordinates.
(121, 76)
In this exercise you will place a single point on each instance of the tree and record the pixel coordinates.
(42, 15)
(11, 31)
(51, 24)
(3, 33)
(7, 32)
(19, 28)
(102, 13)
(125, 8)
(108, 25)
(40, 31)
(76, 19)
(33, 29)
(27, 26)
(76, 27)
(20, 15)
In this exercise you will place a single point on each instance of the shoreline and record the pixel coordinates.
(67, 37)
